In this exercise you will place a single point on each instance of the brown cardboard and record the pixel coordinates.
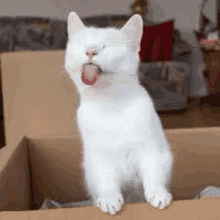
(60, 162)
(181, 210)
(14, 177)
(36, 99)
(35, 163)
(49, 166)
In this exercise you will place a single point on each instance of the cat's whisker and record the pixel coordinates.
(61, 67)
(74, 119)
(60, 73)
(65, 72)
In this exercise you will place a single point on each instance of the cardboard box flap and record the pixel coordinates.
(197, 160)
(41, 98)
(15, 192)
(196, 165)
(181, 210)
(56, 167)
(55, 172)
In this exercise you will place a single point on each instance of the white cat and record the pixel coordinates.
(125, 149)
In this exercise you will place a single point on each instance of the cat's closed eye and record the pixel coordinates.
(104, 46)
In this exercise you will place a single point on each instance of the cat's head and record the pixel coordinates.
(114, 51)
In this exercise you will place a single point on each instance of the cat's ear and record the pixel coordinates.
(134, 29)
(74, 24)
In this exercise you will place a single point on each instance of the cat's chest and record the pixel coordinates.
(125, 120)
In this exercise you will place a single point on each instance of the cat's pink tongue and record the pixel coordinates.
(90, 74)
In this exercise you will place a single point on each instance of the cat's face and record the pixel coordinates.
(116, 50)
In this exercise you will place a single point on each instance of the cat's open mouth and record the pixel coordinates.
(93, 64)
(90, 73)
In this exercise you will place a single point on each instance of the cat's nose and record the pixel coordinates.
(91, 52)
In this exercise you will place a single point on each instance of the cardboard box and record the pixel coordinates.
(42, 158)
(38, 95)
(49, 166)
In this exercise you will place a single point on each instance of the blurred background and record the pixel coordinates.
(181, 74)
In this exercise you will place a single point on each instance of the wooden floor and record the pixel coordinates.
(199, 113)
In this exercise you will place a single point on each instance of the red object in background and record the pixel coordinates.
(213, 71)
(156, 43)
(214, 90)
(206, 41)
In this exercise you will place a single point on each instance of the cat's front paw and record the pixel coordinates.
(111, 203)
(160, 198)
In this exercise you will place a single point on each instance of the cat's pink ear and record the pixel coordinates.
(134, 29)
(74, 24)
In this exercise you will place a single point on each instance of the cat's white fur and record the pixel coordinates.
(125, 149)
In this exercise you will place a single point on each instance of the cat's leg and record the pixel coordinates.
(103, 183)
(156, 170)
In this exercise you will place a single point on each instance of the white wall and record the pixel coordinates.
(61, 8)
(185, 12)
